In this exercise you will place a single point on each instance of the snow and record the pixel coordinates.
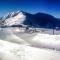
(16, 20)
(16, 45)
(12, 51)
(8, 35)
(47, 41)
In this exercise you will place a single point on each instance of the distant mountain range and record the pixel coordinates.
(39, 20)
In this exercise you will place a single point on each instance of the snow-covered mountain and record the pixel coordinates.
(14, 18)
(36, 20)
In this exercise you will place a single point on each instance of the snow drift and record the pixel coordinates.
(12, 51)
(37, 47)
(46, 41)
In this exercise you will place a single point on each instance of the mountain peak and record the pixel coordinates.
(15, 18)
(12, 14)
(36, 20)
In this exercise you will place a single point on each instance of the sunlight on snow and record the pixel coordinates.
(15, 20)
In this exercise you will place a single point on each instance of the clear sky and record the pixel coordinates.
(32, 6)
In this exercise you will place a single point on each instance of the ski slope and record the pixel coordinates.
(17, 45)
(12, 51)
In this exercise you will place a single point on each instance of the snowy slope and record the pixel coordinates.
(25, 46)
(34, 39)
(46, 41)
(11, 51)
(16, 18)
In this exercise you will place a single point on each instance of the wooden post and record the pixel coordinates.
(53, 31)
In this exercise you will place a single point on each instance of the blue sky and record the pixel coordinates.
(32, 6)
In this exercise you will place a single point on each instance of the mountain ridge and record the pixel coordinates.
(41, 20)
